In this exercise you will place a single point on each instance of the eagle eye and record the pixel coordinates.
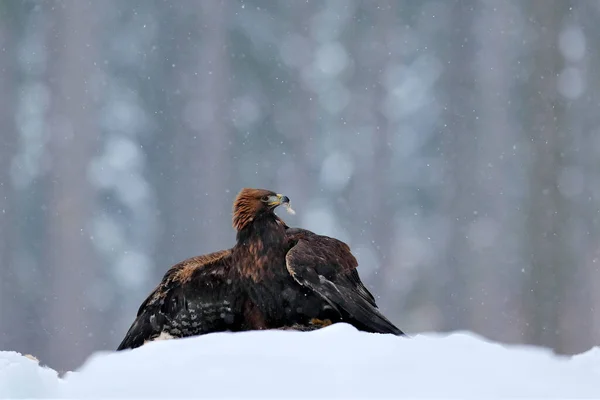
(264, 199)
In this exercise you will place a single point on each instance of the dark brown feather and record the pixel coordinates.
(327, 267)
(298, 277)
(219, 291)
(275, 277)
(195, 296)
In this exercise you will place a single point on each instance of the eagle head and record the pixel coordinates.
(251, 204)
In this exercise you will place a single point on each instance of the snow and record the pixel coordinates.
(21, 377)
(337, 361)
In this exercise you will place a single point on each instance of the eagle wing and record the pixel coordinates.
(327, 267)
(195, 296)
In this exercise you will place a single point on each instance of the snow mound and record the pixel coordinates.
(22, 377)
(337, 361)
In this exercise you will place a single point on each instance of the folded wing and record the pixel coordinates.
(327, 267)
(195, 296)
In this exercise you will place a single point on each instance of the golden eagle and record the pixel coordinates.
(275, 277)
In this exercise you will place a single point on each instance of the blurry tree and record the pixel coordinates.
(9, 284)
(208, 113)
(295, 115)
(163, 95)
(130, 117)
(25, 279)
(201, 195)
(493, 229)
(70, 261)
(162, 64)
(550, 259)
(585, 59)
(459, 147)
(380, 199)
(577, 180)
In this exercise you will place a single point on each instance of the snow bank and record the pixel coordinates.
(337, 361)
(21, 377)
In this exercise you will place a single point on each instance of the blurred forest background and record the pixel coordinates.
(455, 145)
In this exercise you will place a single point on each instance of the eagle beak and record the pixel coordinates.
(278, 200)
(283, 199)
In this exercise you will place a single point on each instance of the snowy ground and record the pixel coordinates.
(337, 361)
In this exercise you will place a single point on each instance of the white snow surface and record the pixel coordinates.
(334, 362)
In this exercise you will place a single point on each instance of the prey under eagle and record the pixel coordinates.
(274, 277)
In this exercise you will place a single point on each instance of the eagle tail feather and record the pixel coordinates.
(368, 317)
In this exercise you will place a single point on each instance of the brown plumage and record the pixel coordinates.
(275, 277)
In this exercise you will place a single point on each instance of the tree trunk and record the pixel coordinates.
(549, 258)
(298, 178)
(495, 233)
(202, 199)
(459, 146)
(70, 258)
(578, 315)
(10, 310)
